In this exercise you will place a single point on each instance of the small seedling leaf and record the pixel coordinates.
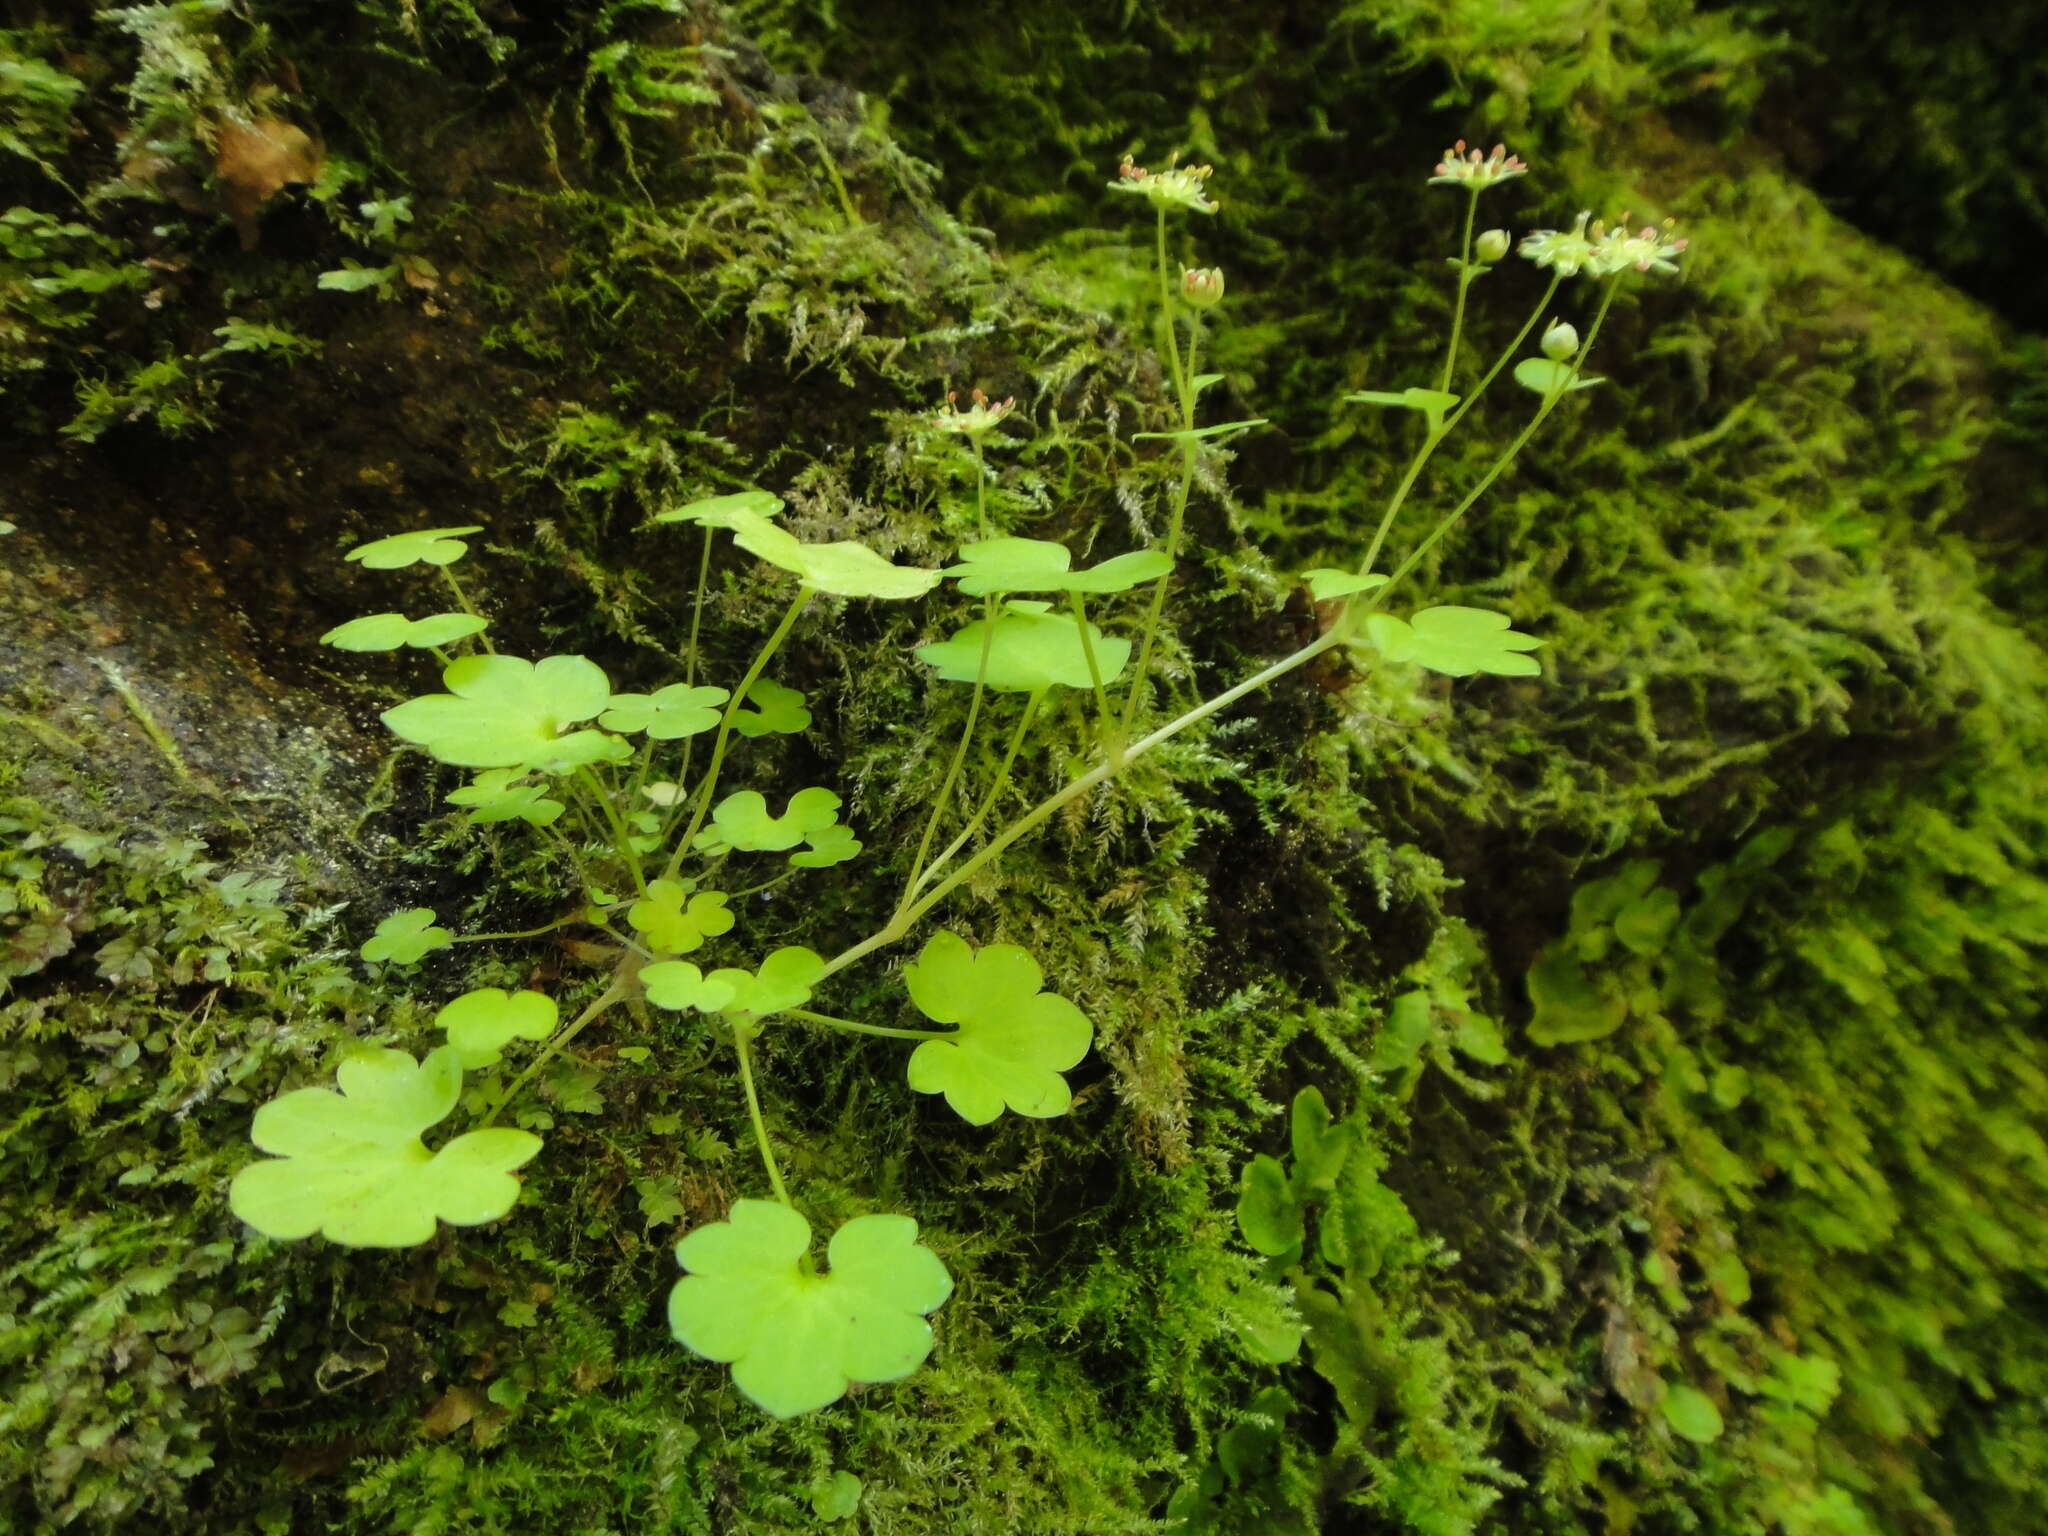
(1455, 641)
(405, 938)
(432, 546)
(668, 714)
(838, 1498)
(495, 796)
(1320, 1145)
(1013, 1040)
(1269, 1213)
(351, 1165)
(1030, 650)
(783, 981)
(1326, 584)
(1543, 375)
(797, 1341)
(771, 709)
(716, 511)
(678, 984)
(1691, 1413)
(481, 1023)
(827, 846)
(743, 821)
(1570, 1006)
(677, 922)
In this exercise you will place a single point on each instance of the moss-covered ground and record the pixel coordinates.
(1688, 997)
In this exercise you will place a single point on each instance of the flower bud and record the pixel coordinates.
(1560, 341)
(1202, 286)
(1491, 246)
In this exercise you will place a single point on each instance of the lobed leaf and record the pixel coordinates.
(429, 546)
(1030, 650)
(1038, 565)
(496, 796)
(1455, 641)
(481, 1023)
(717, 511)
(405, 938)
(677, 922)
(1012, 1041)
(389, 631)
(352, 1167)
(771, 709)
(845, 569)
(503, 712)
(797, 1340)
(669, 714)
(1326, 584)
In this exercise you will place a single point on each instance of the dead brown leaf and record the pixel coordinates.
(256, 160)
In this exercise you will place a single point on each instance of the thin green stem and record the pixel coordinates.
(1464, 287)
(867, 1029)
(953, 769)
(1105, 772)
(483, 637)
(621, 834)
(988, 801)
(1436, 435)
(612, 994)
(1507, 354)
(1183, 384)
(1049, 807)
(732, 709)
(528, 933)
(746, 1056)
(1109, 727)
(1507, 457)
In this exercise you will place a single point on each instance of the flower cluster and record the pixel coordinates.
(982, 415)
(1602, 252)
(1462, 167)
(1650, 249)
(1178, 186)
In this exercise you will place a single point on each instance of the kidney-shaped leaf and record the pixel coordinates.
(1455, 641)
(668, 714)
(351, 1165)
(845, 569)
(481, 1023)
(717, 511)
(1039, 565)
(1030, 650)
(796, 1340)
(433, 546)
(677, 922)
(503, 712)
(388, 631)
(1013, 1041)
(770, 709)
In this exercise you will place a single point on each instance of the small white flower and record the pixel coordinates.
(1564, 252)
(1462, 167)
(981, 415)
(1650, 249)
(1178, 186)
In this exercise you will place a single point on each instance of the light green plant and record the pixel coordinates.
(629, 788)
